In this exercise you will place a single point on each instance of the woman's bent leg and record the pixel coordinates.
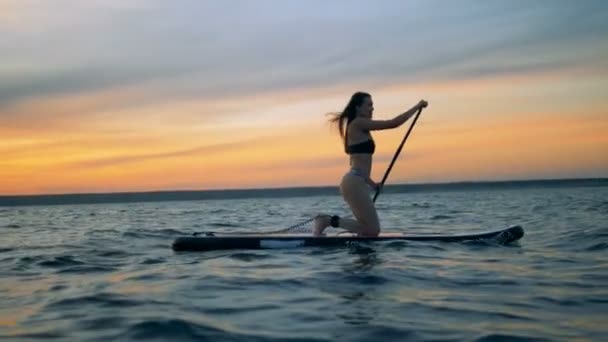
(356, 194)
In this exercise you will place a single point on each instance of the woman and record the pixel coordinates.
(355, 124)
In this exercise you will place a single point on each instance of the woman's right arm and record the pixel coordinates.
(375, 125)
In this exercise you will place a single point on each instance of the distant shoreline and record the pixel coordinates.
(198, 195)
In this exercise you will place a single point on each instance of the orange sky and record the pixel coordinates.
(485, 129)
(91, 100)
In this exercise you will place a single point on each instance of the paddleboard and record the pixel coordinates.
(217, 241)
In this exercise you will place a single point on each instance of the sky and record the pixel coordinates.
(130, 95)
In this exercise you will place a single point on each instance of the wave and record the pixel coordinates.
(185, 330)
(148, 233)
(224, 225)
(509, 338)
(41, 335)
(60, 261)
(106, 300)
(441, 217)
(421, 205)
(602, 246)
(84, 269)
(249, 256)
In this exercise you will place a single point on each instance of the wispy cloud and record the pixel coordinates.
(219, 48)
(165, 156)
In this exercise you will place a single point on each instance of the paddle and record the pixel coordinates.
(379, 189)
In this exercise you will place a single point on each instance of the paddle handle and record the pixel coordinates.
(379, 189)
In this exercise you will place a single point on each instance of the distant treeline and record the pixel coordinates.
(197, 195)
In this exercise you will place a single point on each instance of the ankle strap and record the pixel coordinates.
(335, 221)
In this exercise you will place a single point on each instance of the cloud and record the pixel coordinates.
(135, 158)
(237, 47)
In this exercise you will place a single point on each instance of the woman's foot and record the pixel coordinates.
(321, 222)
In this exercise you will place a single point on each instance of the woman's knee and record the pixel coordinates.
(368, 219)
(371, 228)
(370, 233)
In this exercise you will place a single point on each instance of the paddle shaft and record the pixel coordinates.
(379, 189)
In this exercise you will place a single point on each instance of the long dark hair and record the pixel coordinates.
(349, 113)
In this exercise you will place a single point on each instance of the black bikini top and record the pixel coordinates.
(367, 146)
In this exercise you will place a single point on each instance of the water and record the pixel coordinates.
(106, 272)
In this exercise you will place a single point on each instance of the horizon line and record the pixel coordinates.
(461, 182)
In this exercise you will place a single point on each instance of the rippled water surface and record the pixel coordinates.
(107, 272)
